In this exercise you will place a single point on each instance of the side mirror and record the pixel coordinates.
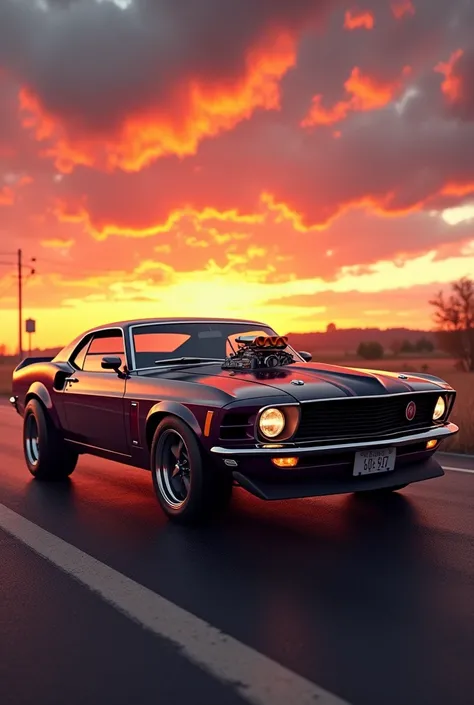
(111, 363)
(307, 357)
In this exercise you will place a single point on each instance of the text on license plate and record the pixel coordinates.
(367, 462)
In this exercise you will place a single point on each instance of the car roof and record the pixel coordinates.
(174, 319)
(67, 351)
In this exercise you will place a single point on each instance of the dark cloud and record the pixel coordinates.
(459, 88)
(95, 63)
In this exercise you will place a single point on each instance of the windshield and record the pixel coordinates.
(165, 341)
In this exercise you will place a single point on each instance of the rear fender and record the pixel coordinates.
(38, 390)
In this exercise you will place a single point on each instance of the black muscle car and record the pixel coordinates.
(208, 404)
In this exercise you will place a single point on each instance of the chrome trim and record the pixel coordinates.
(91, 334)
(434, 433)
(210, 321)
(450, 391)
(157, 368)
(172, 321)
(99, 448)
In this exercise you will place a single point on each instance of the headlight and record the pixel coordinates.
(271, 422)
(440, 409)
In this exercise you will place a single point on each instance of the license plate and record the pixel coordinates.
(367, 462)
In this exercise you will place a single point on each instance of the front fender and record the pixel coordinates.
(176, 409)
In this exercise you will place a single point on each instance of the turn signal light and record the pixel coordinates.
(431, 444)
(285, 462)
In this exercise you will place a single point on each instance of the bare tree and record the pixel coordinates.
(454, 319)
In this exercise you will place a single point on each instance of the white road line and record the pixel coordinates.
(257, 678)
(470, 472)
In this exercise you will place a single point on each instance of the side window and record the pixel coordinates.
(102, 345)
(78, 359)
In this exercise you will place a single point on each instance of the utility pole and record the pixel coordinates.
(20, 305)
(20, 266)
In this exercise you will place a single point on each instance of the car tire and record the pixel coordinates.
(47, 455)
(188, 490)
(382, 491)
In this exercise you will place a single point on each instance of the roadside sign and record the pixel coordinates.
(30, 325)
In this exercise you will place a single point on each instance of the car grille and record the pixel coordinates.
(236, 426)
(364, 417)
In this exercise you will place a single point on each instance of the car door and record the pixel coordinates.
(94, 408)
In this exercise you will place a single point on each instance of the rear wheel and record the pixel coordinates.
(187, 491)
(47, 455)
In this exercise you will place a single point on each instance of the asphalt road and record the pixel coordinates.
(372, 602)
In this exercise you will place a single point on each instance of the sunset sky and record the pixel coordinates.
(296, 161)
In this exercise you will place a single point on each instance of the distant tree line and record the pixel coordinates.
(373, 350)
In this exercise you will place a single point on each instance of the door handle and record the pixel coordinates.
(71, 380)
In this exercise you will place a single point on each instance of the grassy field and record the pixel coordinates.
(5, 379)
(463, 382)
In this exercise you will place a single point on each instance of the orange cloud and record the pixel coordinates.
(57, 244)
(8, 193)
(274, 211)
(65, 154)
(7, 196)
(101, 231)
(458, 189)
(358, 19)
(366, 93)
(283, 212)
(380, 205)
(400, 8)
(24, 181)
(452, 84)
(205, 110)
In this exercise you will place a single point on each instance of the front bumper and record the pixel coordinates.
(292, 449)
(337, 480)
(328, 469)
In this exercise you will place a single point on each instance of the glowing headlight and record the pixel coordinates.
(439, 409)
(271, 422)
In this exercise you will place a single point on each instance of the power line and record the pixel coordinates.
(6, 289)
(54, 262)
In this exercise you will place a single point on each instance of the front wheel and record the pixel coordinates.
(187, 491)
(46, 454)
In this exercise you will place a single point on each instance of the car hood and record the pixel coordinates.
(308, 381)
